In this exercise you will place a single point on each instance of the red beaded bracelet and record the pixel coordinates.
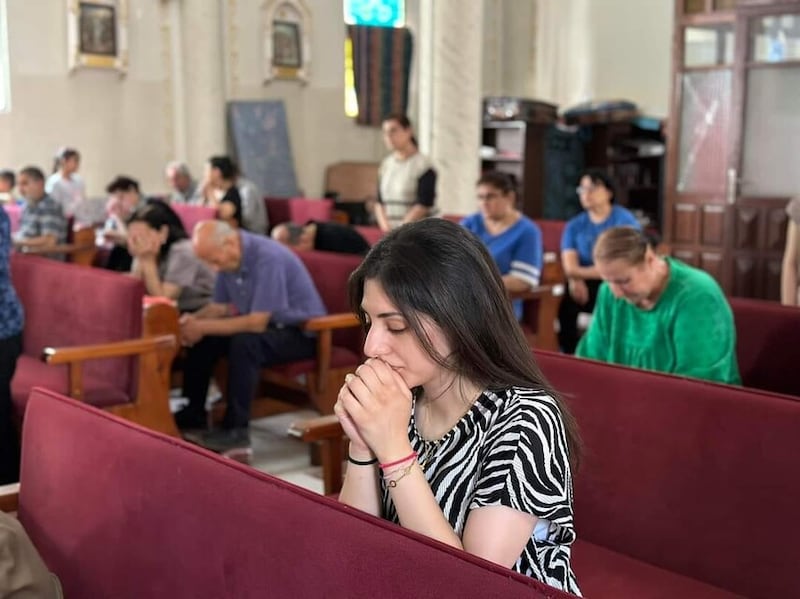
(410, 456)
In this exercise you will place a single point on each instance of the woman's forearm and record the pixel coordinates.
(360, 488)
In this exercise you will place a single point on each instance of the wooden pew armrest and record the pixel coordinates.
(342, 320)
(116, 349)
(316, 429)
(146, 347)
(9, 497)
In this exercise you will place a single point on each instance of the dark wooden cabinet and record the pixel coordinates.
(517, 147)
(634, 158)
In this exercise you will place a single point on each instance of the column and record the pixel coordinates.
(450, 94)
(203, 81)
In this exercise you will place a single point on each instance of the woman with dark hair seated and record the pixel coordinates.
(513, 240)
(220, 191)
(596, 192)
(164, 260)
(454, 432)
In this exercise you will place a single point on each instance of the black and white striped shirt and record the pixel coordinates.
(509, 449)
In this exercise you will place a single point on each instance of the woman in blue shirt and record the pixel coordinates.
(513, 240)
(11, 321)
(596, 191)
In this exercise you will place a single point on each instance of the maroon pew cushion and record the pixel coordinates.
(190, 215)
(120, 511)
(767, 344)
(606, 574)
(330, 272)
(32, 372)
(695, 477)
(371, 234)
(551, 234)
(67, 305)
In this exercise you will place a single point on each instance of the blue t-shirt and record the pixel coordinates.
(517, 250)
(11, 313)
(270, 279)
(580, 233)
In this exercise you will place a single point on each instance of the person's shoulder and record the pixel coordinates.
(529, 225)
(524, 405)
(578, 221)
(422, 161)
(622, 216)
(694, 282)
(472, 222)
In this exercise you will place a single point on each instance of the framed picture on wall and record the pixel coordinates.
(287, 50)
(97, 34)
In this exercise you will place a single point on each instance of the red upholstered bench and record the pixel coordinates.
(67, 307)
(190, 215)
(766, 344)
(120, 511)
(298, 210)
(687, 489)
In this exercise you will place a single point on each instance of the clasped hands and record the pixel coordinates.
(374, 407)
(191, 331)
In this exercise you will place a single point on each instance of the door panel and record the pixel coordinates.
(771, 132)
(685, 223)
(713, 225)
(705, 131)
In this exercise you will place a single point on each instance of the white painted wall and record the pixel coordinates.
(563, 50)
(117, 123)
(630, 48)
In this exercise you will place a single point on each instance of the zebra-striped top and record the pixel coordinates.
(509, 449)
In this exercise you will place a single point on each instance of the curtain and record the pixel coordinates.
(381, 64)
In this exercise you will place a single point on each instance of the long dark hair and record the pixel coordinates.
(156, 214)
(440, 270)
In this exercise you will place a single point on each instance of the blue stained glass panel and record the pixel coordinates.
(375, 13)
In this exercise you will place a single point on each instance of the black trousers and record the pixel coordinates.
(247, 354)
(10, 349)
(568, 316)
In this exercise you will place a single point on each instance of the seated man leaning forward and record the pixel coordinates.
(658, 313)
(262, 295)
(323, 237)
(43, 223)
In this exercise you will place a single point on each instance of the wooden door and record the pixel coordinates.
(764, 172)
(734, 139)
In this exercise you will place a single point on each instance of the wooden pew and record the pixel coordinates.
(120, 511)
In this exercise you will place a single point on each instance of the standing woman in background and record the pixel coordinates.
(11, 322)
(65, 185)
(406, 179)
(791, 255)
(596, 192)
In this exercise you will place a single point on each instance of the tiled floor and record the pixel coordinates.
(278, 454)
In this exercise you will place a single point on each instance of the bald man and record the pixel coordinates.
(262, 295)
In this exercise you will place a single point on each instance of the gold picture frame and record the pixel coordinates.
(97, 34)
(286, 40)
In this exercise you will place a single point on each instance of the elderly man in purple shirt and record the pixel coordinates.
(262, 295)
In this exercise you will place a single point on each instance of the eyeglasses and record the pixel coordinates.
(581, 189)
(488, 196)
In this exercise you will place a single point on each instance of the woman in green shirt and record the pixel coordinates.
(658, 313)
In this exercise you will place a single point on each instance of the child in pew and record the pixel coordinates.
(658, 313)
(454, 433)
